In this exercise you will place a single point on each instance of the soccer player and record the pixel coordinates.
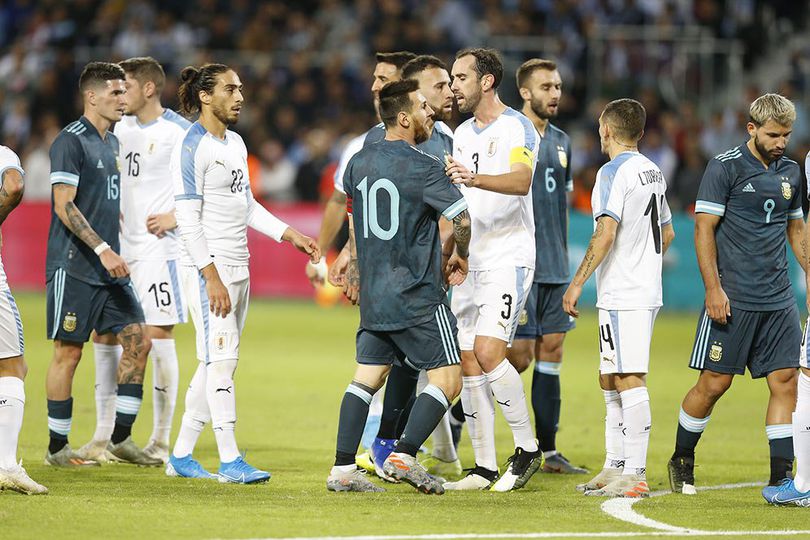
(493, 159)
(632, 231)
(214, 208)
(543, 323)
(396, 270)
(748, 200)
(12, 364)
(797, 491)
(147, 135)
(87, 280)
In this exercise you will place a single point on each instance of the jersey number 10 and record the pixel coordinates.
(370, 219)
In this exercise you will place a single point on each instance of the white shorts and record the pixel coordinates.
(217, 337)
(157, 285)
(489, 303)
(11, 330)
(624, 340)
(803, 362)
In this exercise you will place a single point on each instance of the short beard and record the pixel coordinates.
(763, 152)
(470, 103)
(540, 112)
(420, 133)
(222, 116)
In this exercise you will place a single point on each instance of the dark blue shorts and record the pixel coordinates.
(763, 341)
(543, 313)
(76, 308)
(429, 345)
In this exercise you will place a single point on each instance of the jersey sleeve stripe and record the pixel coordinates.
(796, 214)
(62, 177)
(13, 167)
(188, 197)
(707, 207)
(667, 222)
(530, 135)
(189, 151)
(607, 213)
(455, 209)
(175, 118)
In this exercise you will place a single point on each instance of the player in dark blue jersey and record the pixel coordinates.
(543, 323)
(396, 194)
(748, 201)
(87, 280)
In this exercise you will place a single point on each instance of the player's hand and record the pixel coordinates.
(570, 299)
(718, 307)
(337, 272)
(458, 173)
(303, 243)
(160, 224)
(316, 273)
(351, 285)
(114, 263)
(456, 270)
(219, 301)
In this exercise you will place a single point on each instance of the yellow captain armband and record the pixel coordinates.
(521, 154)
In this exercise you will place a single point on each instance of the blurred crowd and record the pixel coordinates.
(306, 66)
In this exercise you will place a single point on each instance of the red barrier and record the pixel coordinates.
(276, 269)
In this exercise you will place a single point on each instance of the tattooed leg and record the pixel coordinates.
(136, 346)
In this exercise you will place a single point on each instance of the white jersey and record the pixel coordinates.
(631, 189)
(213, 198)
(502, 225)
(8, 160)
(146, 186)
(354, 146)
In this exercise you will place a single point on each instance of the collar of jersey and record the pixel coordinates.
(772, 166)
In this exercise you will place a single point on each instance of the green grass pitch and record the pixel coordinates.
(296, 362)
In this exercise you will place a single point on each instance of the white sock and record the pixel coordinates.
(476, 398)
(12, 406)
(801, 434)
(637, 423)
(196, 415)
(376, 406)
(507, 386)
(219, 388)
(614, 440)
(106, 359)
(164, 395)
(443, 447)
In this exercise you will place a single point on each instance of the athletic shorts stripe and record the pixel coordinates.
(450, 338)
(58, 298)
(705, 344)
(699, 348)
(17, 320)
(520, 277)
(178, 298)
(204, 309)
(614, 323)
(447, 337)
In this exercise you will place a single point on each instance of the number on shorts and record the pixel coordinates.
(507, 313)
(605, 337)
(164, 298)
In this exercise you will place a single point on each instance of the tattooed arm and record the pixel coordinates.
(69, 214)
(598, 248)
(351, 284)
(456, 269)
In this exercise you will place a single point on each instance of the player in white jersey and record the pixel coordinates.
(632, 231)
(12, 364)
(214, 209)
(147, 134)
(493, 160)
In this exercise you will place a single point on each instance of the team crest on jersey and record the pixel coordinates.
(118, 162)
(151, 147)
(716, 352)
(787, 191)
(69, 322)
(524, 318)
(562, 156)
(492, 146)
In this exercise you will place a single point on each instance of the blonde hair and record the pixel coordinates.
(772, 107)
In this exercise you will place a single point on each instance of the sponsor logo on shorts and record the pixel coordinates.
(69, 322)
(609, 359)
(716, 352)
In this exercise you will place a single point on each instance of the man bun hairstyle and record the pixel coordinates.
(145, 69)
(398, 59)
(395, 98)
(772, 107)
(487, 62)
(98, 73)
(194, 80)
(626, 117)
(530, 66)
(420, 64)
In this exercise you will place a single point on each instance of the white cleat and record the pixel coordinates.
(157, 450)
(96, 450)
(478, 479)
(16, 479)
(603, 478)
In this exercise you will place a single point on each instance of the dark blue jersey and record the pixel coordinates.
(755, 204)
(552, 181)
(81, 158)
(396, 195)
(439, 144)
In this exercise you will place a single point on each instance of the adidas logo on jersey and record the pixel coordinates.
(749, 188)
(100, 165)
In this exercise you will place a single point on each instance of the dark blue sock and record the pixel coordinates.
(60, 414)
(546, 403)
(353, 414)
(127, 405)
(400, 388)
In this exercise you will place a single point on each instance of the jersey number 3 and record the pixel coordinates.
(370, 215)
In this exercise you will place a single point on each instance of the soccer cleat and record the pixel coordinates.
(66, 457)
(559, 464)
(520, 467)
(682, 475)
(478, 478)
(351, 481)
(379, 452)
(240, 471)
(785, 494)
(96, 450)
(16, 479)
(632, 486)
(365, 462)
(603, 478)
(157, 450)
(128, 452)
(404, 467)
(439, 467)
(187, 467)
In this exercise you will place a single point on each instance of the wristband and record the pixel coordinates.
(101, 248)
(320, 268)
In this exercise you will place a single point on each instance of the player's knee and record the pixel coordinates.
(520, 356)
(714, 385)
(783, 382)
(551, 349)
(67, 356)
